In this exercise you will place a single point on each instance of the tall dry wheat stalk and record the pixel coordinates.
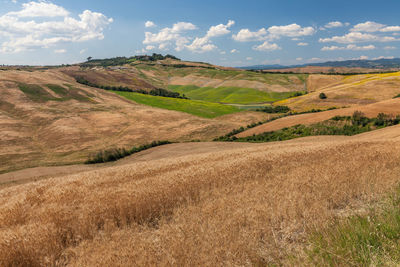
(247, 207)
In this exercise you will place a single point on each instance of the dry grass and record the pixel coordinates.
(246, 206)
(348, 91)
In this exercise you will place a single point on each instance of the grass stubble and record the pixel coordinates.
(253, 206)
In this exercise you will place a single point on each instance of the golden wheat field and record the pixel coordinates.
(248, 205)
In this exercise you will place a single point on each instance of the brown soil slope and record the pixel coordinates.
(244, 206)
(40, 126)
(391, 106)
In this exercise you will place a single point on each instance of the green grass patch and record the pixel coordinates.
(369, 240)
(231, 95)
(35, 92)
(194, 107)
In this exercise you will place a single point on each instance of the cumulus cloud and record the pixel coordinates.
(204, 44)
(266, 46)
(351, 47)
(245, 35)
(389, 48)
(334, 24)
(371, 26)
(167, 35)
(292, 30)
(150, 47)
(149, 24)
(234, 51)
(40, 9)
(358, 37)
(302, 44)
(299, 59)
(43, 24)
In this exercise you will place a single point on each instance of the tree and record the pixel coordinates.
(358, 118)
(322, 96)
(89, 58)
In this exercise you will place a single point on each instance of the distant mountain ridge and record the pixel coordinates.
(370, 64)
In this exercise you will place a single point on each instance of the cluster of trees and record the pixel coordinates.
(274, 109)
(118, 61)
(119, 153)
(154, 92)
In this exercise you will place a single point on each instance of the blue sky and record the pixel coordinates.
(230, 33)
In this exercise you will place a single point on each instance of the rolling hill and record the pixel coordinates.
(47, 118)
(230, 204)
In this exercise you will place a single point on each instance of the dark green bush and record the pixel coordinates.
(119, 153)
(275, 109)
(322, 96)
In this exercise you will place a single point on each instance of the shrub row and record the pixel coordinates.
(155, 92)
(242, 129)
(274, 109)
(119, 153)
(338, 125)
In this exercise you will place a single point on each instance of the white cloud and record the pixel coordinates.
(40, 9)
(167, 35)
(200, 45)
(334, 24)
(390, 48)
(266, 46)
(292, 30)
(83, 51)
(302, 44)
(299, 59)
(41, 31)
(314, 59)
(358, 37)
(233, 51)
(245, 35)
(371, 26)
(60, 51)
(219, 30)
(204, 44)
(150, 47)
(391, 29)
(362, 58)
(249, 58)
(349, 47)
(163, 46)
(223, 53)
(149, 24)
(368, 26)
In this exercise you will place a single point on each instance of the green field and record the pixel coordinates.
(231, 95)
(194, 107)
